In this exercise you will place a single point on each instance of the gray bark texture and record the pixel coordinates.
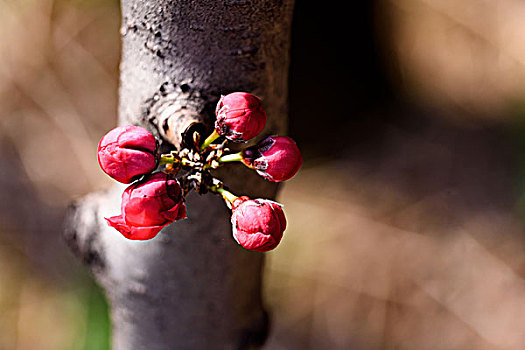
(193, 286)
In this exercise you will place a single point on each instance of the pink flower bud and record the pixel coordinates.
(258, 224)
(276, 158)
(127, 152)
(149, 205)
(240, 116)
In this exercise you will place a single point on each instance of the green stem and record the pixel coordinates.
(214, 135)
(172, 160)
(167, 160)
(234, 157)
(226, 195)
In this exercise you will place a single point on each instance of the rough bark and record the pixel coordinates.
(192, 287)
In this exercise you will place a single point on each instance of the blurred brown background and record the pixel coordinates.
(405, 223)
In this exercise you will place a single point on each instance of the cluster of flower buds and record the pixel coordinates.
(153, 200)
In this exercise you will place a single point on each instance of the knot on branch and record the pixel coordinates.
(81, 235)
(179, 114)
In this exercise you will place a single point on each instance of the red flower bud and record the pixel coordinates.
(149, 205)
(258, 224)
(127, 152)
(276, 158)
(240, 116)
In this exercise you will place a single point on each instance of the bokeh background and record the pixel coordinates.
(405, 223)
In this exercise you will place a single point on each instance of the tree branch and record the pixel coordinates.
(192, 287)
